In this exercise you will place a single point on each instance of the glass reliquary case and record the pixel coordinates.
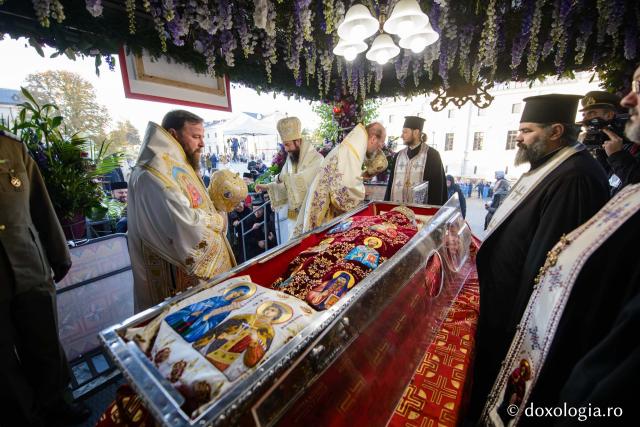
(326, 329)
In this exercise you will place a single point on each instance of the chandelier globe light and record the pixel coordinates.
(358, 24)
(382, 49)
(349, 49)
(406, 19)
(418, 41)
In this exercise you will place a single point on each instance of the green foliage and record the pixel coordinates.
(71, 166)
(370, 110)
(329, 128)
(268, 175)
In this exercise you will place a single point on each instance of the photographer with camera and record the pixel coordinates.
(604, 121)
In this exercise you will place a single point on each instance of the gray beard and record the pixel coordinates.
(295, 156)
(530, 154)
(632, 132)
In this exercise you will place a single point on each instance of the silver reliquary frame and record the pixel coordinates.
(268, 393)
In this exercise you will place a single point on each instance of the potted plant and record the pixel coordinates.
(71, 166)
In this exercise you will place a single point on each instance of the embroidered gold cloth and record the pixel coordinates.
(349, 251)
(176, 236)
(291, 185)
(338, 186)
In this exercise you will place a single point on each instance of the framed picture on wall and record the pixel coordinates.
(163, 80)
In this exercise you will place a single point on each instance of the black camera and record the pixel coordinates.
(594, 137)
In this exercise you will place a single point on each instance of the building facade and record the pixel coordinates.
(474, 142)
(9, 100)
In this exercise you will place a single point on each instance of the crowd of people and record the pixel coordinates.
(558, 307)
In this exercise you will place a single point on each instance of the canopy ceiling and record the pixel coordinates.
(481, 40)
(244, 124)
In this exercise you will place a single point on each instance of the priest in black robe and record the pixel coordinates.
(564, 187)
(594, 358)
(414, 165)
(595, 355)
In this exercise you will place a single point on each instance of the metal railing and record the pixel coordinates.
(263, 222)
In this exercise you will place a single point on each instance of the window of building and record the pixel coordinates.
(448, 142)
(506, 170)
(511, 140)
(446, 169)
(451, 114)
(482, 112)
(478, 140)
(475, 170)
(516, 108)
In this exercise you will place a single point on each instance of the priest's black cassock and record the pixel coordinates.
(433, 172)
(510, 258)
(594, 358)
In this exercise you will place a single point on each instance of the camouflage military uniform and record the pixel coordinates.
(33, 369)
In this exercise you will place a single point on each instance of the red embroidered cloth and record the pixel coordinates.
(435, 394)
(433, 397)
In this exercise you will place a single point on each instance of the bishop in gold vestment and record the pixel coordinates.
(338, 186)
(301, 167)
(176, 235)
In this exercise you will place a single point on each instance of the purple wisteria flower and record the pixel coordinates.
(630, 42)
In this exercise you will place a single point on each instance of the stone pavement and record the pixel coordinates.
(475, 215)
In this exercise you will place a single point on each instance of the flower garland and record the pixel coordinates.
(156, 13)
(520, 43)
(604, 10)
(614, 20)
(227, 46)
(487, 45)
(430, 55)
(534, 51)
(326, 64)
(466, 36)
(565, 18)
(328, 15)
(307, 35)
(630, 43)
(247, 39)
(260, 13)
(378, 70)
(417, 72)
(402, 67)
(48, 8)
(130, 6)
(585, 29)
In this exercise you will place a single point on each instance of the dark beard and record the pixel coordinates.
(530, 154)
(410, 143)
(194, 161)
(295, 156)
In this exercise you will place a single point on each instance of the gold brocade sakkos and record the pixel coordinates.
(176, 235)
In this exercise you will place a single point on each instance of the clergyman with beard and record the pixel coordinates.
(564, 187)
(176, 235)
(414, 165)
(289, 188)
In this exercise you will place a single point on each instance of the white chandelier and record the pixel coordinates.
(407, 21)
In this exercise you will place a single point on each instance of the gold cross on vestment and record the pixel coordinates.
(518, 192)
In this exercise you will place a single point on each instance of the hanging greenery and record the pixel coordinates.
(286, 45)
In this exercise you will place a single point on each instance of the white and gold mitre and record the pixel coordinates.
(289, 128)
(227, 189)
